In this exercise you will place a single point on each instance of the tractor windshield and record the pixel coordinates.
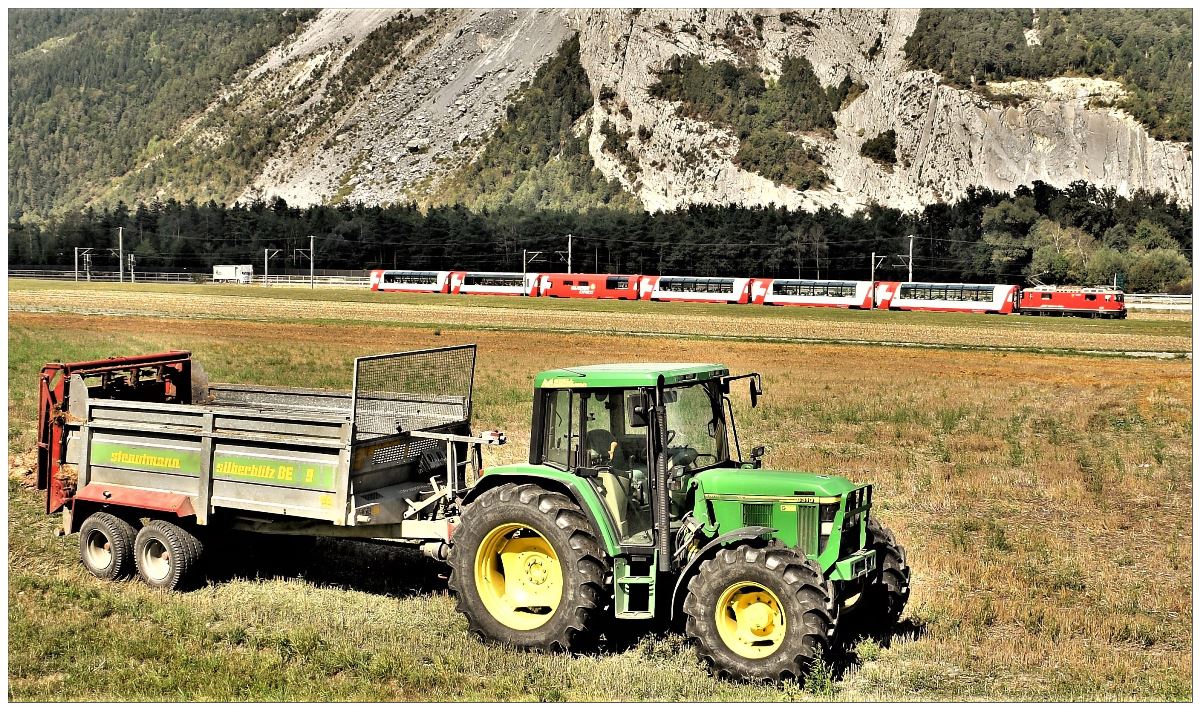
(695, 427)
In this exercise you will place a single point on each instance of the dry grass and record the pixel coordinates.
(543, 314)
(1045, 501)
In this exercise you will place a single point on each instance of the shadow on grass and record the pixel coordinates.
(325, 562)
(844, 657)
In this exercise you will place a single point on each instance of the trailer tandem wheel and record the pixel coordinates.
(167, 556)
(106, 546)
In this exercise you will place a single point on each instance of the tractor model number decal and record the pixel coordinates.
(290, 472)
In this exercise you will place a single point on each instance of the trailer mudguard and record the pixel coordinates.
(583, 495)
(94, 496)
(747, 533)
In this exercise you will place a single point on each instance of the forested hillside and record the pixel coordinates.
(92, 93)
(536, 160)
(1148, 51)
(765, 115)
(1038, 234)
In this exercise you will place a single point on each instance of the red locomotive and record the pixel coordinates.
(1102, 302)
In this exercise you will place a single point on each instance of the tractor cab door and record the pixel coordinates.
(595, 433)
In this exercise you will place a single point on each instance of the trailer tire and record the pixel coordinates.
(106, 546)
(784, 602)
(557, 548)
(887, 588)
(167, 556)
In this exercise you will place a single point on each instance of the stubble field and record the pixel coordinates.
(1044, 499)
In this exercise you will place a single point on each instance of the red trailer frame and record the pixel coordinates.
(159, 377)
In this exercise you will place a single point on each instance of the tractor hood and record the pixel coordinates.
(759, 482)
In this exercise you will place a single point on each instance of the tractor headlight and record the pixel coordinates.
(827, 513)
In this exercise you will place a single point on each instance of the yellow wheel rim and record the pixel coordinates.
(750, 620)
(518, 576)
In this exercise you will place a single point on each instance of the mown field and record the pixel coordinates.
(1045, 501)
(1142, 332)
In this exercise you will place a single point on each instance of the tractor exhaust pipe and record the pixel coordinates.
(662, 511)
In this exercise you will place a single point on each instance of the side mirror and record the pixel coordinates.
(753, 394)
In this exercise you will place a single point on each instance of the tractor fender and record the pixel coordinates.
(588, 504)
(96, 496)
(747, 533)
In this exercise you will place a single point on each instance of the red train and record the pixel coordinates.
(1100, 302)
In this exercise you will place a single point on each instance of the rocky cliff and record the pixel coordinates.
(947, 139)
(422, 109)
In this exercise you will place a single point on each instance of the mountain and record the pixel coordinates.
(571, 109)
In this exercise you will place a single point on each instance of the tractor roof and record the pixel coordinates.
(632, 374)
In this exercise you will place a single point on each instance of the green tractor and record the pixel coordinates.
(636, 504)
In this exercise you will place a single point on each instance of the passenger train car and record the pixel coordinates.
(494, 283)
(953, 298)
(620, 286)
(410, 281)
(864, 295)
(698, 289)
(804, 292)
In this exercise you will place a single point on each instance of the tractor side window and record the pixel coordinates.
(562, 416)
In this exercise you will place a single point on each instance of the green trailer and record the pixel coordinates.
(635, 501)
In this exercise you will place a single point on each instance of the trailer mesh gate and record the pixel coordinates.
(401, 392)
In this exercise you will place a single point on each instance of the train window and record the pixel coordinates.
(1046, 296)
(568, 282)
(828, 289)
(585, 283)
(1090, 296)
(617, 282)
(696, 285)
(409, 277)
(493, 280)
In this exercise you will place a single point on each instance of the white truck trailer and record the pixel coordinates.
(233, 273)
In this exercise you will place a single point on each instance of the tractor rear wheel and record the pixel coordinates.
(887, 588)
(167, 556)
(759, 613)
(106, 546)
(528, 569)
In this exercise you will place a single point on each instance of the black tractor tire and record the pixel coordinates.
(167, 555)
(886, 591)
(106, 546)
(799, 587)
(584, 565)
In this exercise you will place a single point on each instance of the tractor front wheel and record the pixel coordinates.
(527, 568)
(887, 588)
(759, 613)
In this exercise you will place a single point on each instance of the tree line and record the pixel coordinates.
(1080, 234)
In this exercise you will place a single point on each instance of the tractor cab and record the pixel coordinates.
(620, 424)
